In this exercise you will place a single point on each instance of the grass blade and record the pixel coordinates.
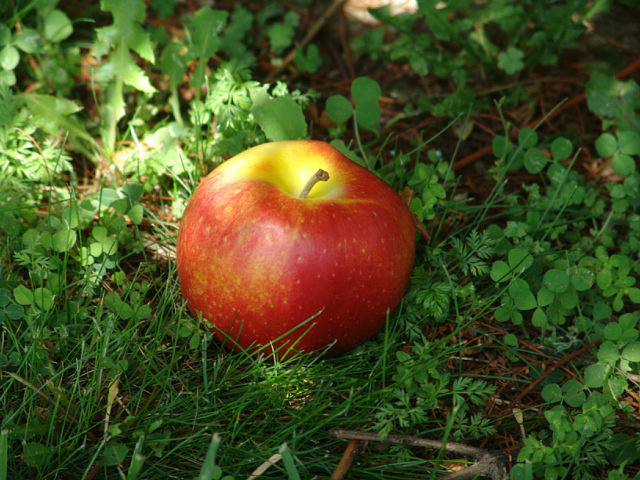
(4, 452)
(209, 464)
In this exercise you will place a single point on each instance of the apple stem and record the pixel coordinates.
(319, 176)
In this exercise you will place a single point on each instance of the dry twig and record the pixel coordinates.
(487, 463)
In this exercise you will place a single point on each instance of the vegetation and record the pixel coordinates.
(513, 130)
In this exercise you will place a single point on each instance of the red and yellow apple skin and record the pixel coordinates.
(256, 260)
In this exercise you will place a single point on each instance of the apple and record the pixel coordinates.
(291, 245)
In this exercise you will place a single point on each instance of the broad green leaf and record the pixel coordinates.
(612, 331)
(534, 160)
(608, 352)
(632, 352)
(9, 57)
(614, 99)
(539, 318)
(552, 393)
(57, 26)
(527, 138)
(606, 145)
(519, 259)
(43, 298)
(601, 311)
(595, 375)
(521, 294)
(561, 148)
(368, 114)
(604, 279)
(23, 295)
(113, 453)
(501, 146)
(545, 297)
(556, 280)
(629, 142)
(500, 271)
(280, 118)
(135, 213)
(634, 294)
(623, 164)
(573, 393)
(339, 108)
(582, 279)
(64, 240)
(365, 90)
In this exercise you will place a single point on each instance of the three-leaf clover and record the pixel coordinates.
(365, 93)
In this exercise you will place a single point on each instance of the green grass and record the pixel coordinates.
(519, 331)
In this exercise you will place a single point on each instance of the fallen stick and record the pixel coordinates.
(487, 463)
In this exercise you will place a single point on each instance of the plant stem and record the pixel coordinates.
(319, 176)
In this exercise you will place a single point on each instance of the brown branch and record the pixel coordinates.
(354, 448)
(487, 463)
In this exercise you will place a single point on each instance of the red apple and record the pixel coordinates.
(257, 257)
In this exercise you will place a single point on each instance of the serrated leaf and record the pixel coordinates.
(173, 62)
(207, 26)
(54, 114)
(135, 77)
